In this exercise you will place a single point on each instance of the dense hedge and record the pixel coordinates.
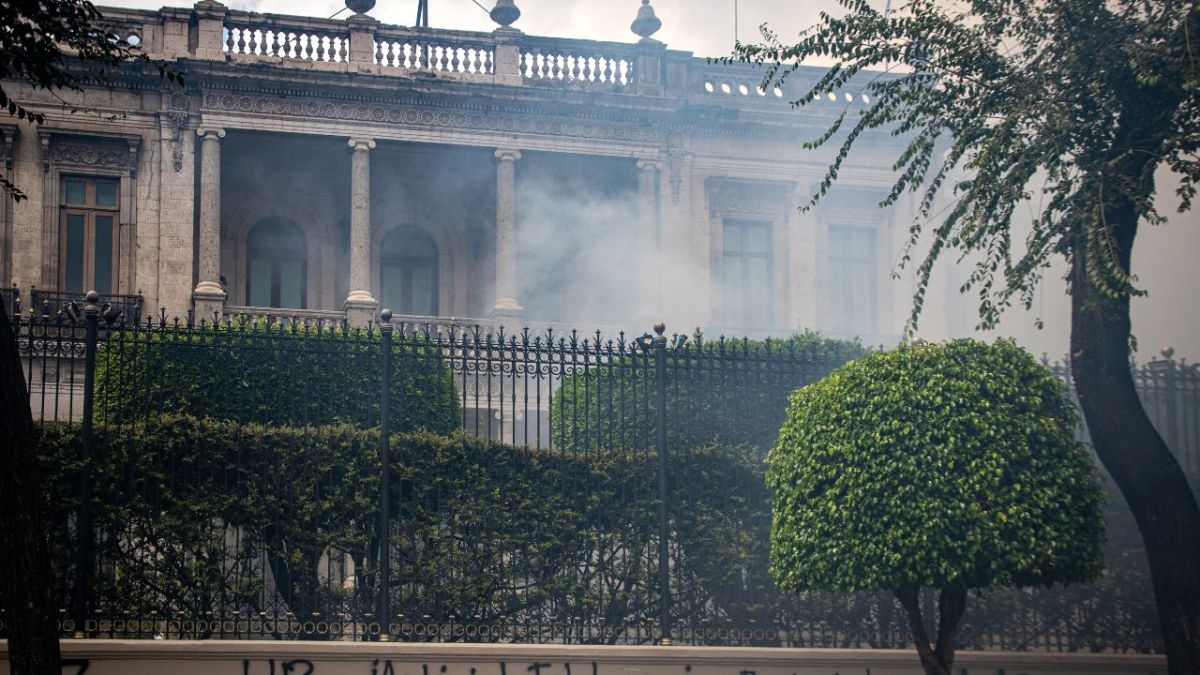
(272, 374)
(199, 515)
(725, 391)
(210, 496)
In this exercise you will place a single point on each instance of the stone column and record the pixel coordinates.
(209, 298)
(506, 235)
(360, 304)
(648, 282)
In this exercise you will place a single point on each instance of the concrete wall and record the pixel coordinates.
(146, 657)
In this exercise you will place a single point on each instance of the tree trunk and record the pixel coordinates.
(936, 659)
(26, 592)
(1132, 450)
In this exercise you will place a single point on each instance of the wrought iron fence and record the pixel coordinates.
(307, 480)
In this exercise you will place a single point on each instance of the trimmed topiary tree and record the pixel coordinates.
(952, 466)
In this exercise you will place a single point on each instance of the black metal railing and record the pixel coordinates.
(289, 480)
(50, 303)
(11, 299)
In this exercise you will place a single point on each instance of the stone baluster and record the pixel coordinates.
(506, 235)
(209, 297)
(648, 290)
(360, 304)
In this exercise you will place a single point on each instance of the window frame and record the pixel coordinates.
(89, 210)
(837, 298)
(742, 315)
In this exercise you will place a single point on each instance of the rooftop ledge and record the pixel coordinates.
(211, 32)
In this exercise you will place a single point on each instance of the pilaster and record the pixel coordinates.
(648, 287)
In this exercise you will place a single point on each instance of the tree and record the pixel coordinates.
(59, 45)
(25, 586)
(1065, 108)
(953, 466)
(53, 45)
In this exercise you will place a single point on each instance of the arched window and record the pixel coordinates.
(408, 272)
(276, 265)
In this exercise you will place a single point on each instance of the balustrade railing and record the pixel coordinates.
(289, 38)
(443, 52)
(602, 65)
(272, 315)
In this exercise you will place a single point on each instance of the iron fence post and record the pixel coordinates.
(1171, 385)
(81, 595)
(385, 487)
(664, 560)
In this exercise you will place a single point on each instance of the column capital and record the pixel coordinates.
(215, 133)
(649, 165)
(507, 155)
(360, 143)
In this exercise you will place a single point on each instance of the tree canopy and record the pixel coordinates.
(952, 466)
(1041, 125)
(1061, 107)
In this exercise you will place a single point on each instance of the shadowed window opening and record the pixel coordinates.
(276, 265)
(408, 272)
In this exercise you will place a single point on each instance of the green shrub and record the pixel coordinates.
(272, 374)
(731, 392)
(229, 509)
(951, 466)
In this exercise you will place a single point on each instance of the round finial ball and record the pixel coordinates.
(92, 296)
(386, 315)
(646, 23)
(660, 328)
(360, 6)
(505, 12)
(1167, 351)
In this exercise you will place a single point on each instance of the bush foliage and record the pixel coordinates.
(272, 374)
(932, 465)
(232, 511)
(730, 392)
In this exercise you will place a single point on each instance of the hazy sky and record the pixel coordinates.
(701, 26)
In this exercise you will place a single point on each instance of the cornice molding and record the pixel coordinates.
(430, 116)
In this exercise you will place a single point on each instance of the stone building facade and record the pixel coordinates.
(326, 168)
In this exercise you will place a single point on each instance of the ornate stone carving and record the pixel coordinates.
(425, 117)
(177, 117)
(728, 196)
(106, 153)
(178, 122)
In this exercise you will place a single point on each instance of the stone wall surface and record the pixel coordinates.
(146, 657)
